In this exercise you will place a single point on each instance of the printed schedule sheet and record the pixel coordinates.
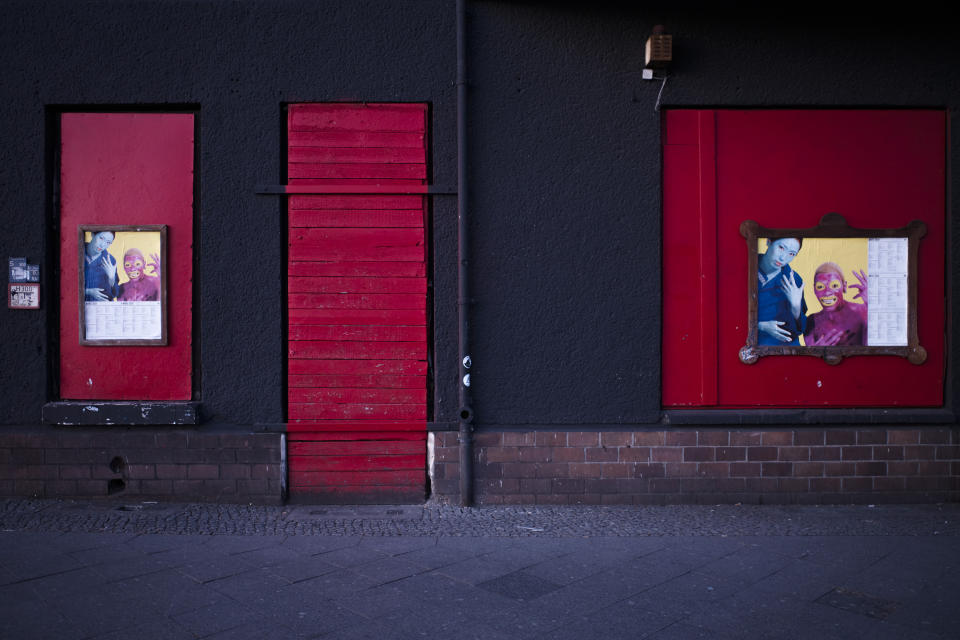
(123, 320)
(888, 291)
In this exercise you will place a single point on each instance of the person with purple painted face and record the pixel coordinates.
(140, 286)
(840, 321)
(781, 309)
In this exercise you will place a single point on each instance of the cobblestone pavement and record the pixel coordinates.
(71, 570)
(513, 521)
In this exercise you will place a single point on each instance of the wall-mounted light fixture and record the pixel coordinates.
(659, 52)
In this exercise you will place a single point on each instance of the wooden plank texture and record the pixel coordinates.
(355, 186)
(356, 170)
(359, 316)
(329, 155)
(355, 202)
(369, 462)
(355, 245)
(371, 118)
(356, 350)
(347, 430)
(356, 218)
(318, 268)
(356, 301)
(379, 381)
(358, 332)
(345, 436)
(369, 447)
(367, 139)
(357, 367)
(344, 395)
(330, 411)
(359, 238)
(382, 301)
(356, 285)
(376, 427)
(342, 478)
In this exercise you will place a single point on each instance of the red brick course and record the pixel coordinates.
(834, 465)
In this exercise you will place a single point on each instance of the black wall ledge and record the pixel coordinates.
(806, 417)
(121, 413)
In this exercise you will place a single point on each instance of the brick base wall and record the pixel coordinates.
(141, 463)
(824, 466)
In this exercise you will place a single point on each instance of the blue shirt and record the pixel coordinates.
(94, 277)
(773, 304)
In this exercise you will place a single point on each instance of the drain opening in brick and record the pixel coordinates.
(117, 465)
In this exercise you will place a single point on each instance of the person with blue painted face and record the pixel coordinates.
(100, 271)
(781, 309)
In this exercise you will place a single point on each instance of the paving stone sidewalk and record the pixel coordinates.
(71, 570)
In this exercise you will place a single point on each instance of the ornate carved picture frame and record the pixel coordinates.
(836, 314)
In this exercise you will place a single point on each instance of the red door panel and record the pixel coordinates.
(787, 168)
(356, 306)
(127, 169)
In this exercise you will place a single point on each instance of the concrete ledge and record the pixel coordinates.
(121, 413)
(799, 417)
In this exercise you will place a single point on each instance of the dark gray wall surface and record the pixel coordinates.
(566, 216)
(564, 167)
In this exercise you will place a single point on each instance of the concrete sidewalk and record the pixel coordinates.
(170, 571)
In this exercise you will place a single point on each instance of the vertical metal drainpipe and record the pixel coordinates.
(284, 493)
(465, 417)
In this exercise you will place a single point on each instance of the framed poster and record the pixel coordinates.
(832, 291)
(123, 290)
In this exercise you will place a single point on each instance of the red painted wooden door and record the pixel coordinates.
(127, 169)
(787, 168)
(357, 304)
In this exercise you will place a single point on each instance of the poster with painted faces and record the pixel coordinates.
(122, 284)
(825, 292)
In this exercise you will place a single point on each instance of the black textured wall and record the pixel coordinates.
(564, 168)
(566, 212)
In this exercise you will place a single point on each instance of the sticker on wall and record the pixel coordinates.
(123, 291)
(832, 291)
(21, 271)
(18, 270)
(23, 295)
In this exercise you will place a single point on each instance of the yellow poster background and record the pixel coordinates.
(850, 254)
(148, 242)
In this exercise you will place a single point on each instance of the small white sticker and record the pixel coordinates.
(466, 380)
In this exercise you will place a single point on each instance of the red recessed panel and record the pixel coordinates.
(357, 400)
(682, 384)
(787, 168)
(127, 169)
(689, 222)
